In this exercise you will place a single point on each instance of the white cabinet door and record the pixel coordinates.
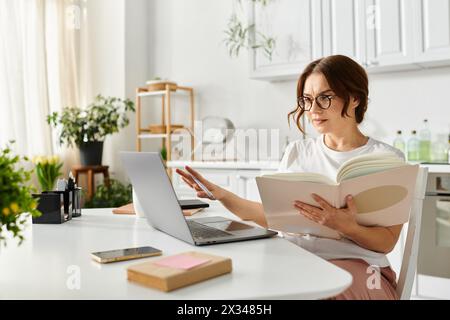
(389, 25)
(382, 35)
(343, 23)
(433, 30)
(246, 183)
(294, 25)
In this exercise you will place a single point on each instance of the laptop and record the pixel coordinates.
(163, 211)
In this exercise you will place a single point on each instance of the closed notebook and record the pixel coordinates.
(382, 186)
(173, 272)
(129, 209)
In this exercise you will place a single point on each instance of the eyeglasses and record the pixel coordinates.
(323, 101)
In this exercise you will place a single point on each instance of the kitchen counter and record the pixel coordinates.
(273, 165)
(437, 167)
(238, 165)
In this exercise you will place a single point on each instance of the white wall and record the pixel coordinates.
(188, 49)
(106, 25)
(119, 58)
(182, 40)
(402, 100)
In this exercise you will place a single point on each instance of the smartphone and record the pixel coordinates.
(125, 254)
(192, 204)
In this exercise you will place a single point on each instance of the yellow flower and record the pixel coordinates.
(6, 211)
(43, 161)
(37, 160)
(33, 205)
(14, 207)
(55, 159)
(34, 160)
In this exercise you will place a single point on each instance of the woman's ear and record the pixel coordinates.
(355, 101)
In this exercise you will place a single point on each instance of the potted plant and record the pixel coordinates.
(88, 128)
(16, 200)
(112, 196)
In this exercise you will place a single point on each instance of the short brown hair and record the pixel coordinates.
(345, 77)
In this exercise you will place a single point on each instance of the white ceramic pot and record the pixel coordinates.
(137, 206)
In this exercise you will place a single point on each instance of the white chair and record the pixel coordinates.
(411, 245)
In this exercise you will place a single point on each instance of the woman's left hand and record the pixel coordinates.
(342, 220)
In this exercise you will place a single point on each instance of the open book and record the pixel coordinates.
(381, 184)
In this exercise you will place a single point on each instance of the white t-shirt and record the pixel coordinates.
(312, 155)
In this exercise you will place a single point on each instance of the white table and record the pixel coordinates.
(48, 264)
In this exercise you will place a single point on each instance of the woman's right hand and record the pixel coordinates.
(216, 191)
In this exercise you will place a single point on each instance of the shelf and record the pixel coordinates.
(166, 119)
(151, 93)
(161, 92)
(161, 135)
(154, 93)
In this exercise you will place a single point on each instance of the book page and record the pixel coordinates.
(367, 169)
(301, 176)
(383, 198)
(382, 160)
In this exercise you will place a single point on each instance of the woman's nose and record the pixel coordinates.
(315, 107)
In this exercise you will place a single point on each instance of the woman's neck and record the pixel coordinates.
(345, 141)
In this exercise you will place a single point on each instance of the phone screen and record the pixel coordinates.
(123, 254)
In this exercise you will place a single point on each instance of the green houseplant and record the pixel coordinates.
(16, 200)
(240, 34)
(48, 169)
(88, 128)
(112, 196)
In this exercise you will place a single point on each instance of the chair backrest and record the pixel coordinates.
(411, 247)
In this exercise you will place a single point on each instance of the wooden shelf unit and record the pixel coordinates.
(143, 133)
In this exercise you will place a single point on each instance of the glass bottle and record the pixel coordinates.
(413, 147)
(399, 142)
(425, 142)
(448, 149)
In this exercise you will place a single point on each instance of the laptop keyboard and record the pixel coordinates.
(201, 231)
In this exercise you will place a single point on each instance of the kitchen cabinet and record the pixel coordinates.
(342, 25)
(389, 33)
(382, 35)
(246, 183)
(433, 30)
(296, 26)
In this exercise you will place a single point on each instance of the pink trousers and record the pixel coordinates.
(369, 283)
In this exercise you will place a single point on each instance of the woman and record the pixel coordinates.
(333, 93)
